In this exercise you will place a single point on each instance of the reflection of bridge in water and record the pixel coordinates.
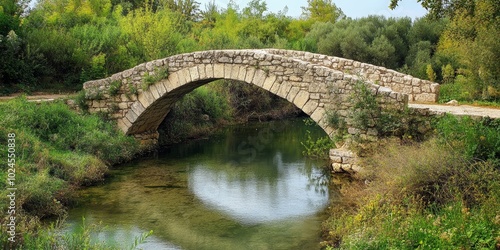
(140, 98)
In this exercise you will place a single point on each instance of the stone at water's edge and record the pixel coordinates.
(344, 160)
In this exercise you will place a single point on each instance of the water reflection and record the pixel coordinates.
(253, 200)
(203, 195)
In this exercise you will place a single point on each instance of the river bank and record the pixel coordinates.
(54, 151)
(438, 194)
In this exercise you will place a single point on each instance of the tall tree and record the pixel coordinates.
(322, 11)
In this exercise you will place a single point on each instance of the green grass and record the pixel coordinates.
(57, 151)
(439, 194)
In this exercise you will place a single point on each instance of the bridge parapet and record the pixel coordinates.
(140, 98)
(418, 90)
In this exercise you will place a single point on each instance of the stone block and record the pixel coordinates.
(209, 71)
(160, 87)
(284, 89)
(260, 78)
(146, 98)
(193, 72)
(228, 70)
(250, 74)
(131, 116)
(341, 152)
(318, 114)
(122, 125)
(138, 108)
(425, 97)
(292, 94)
(154, 91)
(310, 107)
(218, 70)
(337, 168)
(301, 99)
(242, 73)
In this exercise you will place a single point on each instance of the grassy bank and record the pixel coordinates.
(57, 151)
(440, 194)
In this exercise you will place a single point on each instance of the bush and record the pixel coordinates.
(461, 89)
(475, 139)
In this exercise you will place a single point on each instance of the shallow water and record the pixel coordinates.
(246, 187)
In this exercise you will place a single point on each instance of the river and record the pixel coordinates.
(245, 187)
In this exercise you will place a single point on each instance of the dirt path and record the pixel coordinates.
(460, 110)
(39, 97)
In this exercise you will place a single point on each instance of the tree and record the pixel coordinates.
(16, 66)
(189, 9)
(440, 8)
(255, 9)
(472, 38)
(322, 11)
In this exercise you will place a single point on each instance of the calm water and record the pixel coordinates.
(246, 187)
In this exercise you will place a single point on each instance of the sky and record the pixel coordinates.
(352, 8)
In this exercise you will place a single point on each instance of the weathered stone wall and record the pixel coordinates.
(139, 98)
(418, 90)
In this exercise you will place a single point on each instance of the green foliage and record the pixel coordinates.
(114, 88)
(80, 238)
(461, 89)
(475, 48)
(373, 39)
(448, 73)
(476, 139)
(421, 196)
(150, 79)
(81, 101)
(196, 113)
(317, 148)
(57, 150)
(431, 75)
(96, 69)
(322, 11)
(132, 89)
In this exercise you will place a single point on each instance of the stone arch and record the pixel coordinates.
(152, 105)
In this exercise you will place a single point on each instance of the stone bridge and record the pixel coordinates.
(140, 98)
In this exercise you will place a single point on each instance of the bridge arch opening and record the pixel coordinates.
(220, 102)
(153, 105)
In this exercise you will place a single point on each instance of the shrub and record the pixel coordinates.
(316, 147)
(475, 139)
(81, 101)
(461, 89)
(114, 88)
(150, 79)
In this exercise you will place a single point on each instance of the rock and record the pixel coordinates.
(452, 103)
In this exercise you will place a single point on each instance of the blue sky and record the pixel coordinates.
(352, 8)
